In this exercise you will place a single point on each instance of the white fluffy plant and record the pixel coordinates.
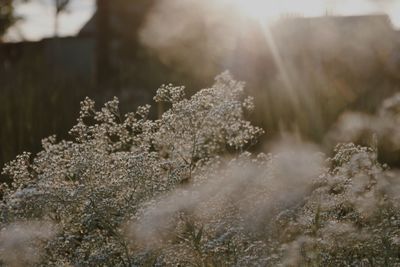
(89, 188)
(183, 191)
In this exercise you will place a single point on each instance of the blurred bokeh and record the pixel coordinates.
(307, 63)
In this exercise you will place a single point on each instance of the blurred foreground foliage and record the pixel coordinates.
(182, 191)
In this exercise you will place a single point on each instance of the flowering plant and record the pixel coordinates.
(183, 191)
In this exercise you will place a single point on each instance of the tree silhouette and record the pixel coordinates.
(103, 40)
(7, 17)
(60, 6)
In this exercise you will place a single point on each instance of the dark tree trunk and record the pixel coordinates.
(103, 67)
(56, 25)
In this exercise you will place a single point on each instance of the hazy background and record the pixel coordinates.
(38, 15)
(307, 63)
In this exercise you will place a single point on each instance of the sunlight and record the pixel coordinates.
(267, 11)
(261, 10)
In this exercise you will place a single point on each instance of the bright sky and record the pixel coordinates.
(39, 19)
(39, 14)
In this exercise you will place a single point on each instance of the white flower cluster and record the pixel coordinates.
(91, 186)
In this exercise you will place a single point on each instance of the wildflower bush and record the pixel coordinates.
(381, 129)
(183, 191)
